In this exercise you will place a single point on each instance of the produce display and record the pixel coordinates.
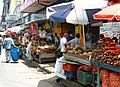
(79, 52)
(41, 49)
(42, 44)
(107, 52)
(110, 78)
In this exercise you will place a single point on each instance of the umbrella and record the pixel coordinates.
(75, 12)
(109, 13)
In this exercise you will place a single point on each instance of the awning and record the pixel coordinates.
(31, 6)
(75, 12)
(14, 29)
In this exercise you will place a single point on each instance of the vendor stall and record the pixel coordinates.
(43, 46)
(104, 60)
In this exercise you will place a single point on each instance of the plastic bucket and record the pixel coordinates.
(15, 53)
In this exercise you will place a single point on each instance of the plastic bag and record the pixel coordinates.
(58, 68)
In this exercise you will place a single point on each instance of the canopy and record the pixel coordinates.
(75, 12)
(108, 13)
(13, 30)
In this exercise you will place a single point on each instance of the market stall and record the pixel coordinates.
(43, 46)
(82, 15)
(105, 57)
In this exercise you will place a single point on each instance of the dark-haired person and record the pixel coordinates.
(75, 41)
(101, 39)
(7, 44)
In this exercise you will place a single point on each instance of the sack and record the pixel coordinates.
(58, 65)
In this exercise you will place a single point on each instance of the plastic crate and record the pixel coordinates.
(85, 77)
(70, 67)
(70, 74)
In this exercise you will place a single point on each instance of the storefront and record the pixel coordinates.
(30, 6)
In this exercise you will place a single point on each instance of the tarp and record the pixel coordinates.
(75, 11)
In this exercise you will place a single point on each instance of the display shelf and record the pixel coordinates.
(44, 57)
(109, 67)
(78, 60)
(105, 66)
(94, 63)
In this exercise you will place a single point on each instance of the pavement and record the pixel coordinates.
(47, 80)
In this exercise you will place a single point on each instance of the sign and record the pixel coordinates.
(112, 24)
(110, 31)
(33, 28)
(11, 17)
(37, 17)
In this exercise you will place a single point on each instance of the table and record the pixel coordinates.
(92, 63)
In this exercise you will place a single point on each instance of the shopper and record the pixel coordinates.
(63, 43)
(75, 41)
(1, 42)
(7, 44)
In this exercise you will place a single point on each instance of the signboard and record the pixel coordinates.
(34, 28)
(11, 17)
(112, 24)
(37, 17)
(110, 31)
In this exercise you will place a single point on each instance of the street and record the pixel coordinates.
(20, 75)
(25, 74)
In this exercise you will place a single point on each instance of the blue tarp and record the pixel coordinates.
(90, 13)
(61, 12)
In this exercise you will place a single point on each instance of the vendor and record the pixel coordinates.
(101, 38)
(115, 39)
(75, 41)
(63, 43)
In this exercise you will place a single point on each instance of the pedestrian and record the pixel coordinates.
(63, 43)
(1, 42)
(75, 41)
(8, 43)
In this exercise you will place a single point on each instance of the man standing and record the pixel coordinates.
(63, 43)
(75, 41)
(7, 44)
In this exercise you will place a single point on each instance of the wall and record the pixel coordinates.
(13, 5)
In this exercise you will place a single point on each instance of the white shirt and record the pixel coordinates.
(63, 41)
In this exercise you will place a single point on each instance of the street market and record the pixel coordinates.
(94, 61)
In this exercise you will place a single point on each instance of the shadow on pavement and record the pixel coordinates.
(51, 82)
(14, 62)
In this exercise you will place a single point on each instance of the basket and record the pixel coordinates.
(70, 67)
(84, 77)
(70, 74)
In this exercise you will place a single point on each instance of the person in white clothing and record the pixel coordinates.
(63, 43)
